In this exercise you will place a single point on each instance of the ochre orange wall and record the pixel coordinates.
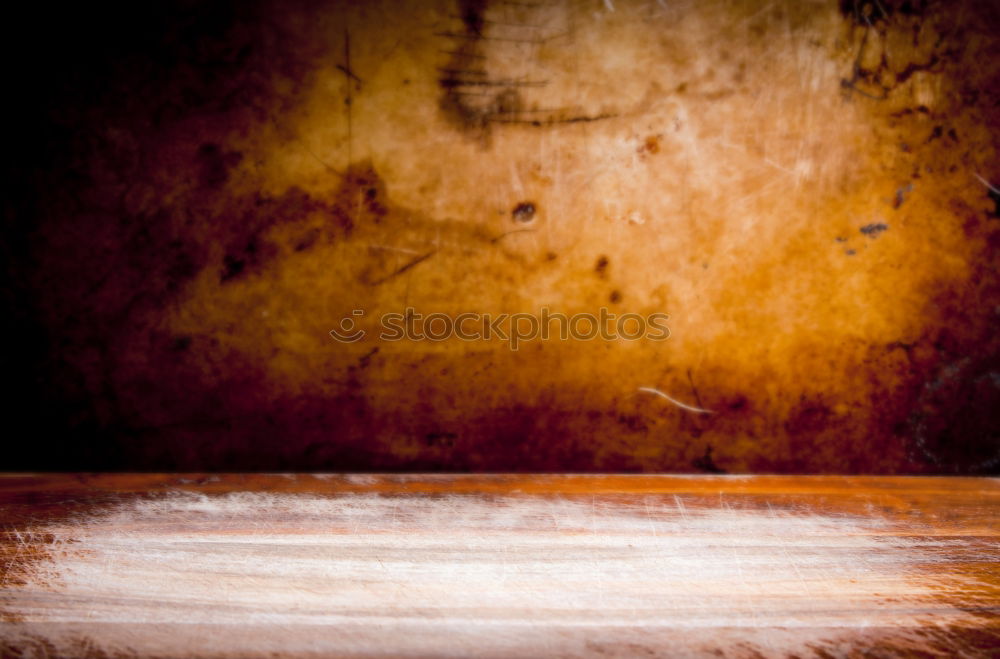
(211, 195)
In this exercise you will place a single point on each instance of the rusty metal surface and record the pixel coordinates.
(807, 189)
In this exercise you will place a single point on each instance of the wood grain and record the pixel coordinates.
(498, 566)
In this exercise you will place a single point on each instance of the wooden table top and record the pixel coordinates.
(153, 565)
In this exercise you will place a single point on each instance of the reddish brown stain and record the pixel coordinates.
(651, 145)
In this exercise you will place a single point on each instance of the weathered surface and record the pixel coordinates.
(804, 187)
(499, 566)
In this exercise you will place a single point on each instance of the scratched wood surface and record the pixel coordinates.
(498, 566)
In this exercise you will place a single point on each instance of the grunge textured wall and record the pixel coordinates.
(200, 192)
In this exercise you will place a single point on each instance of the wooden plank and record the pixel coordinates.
(498, 565)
